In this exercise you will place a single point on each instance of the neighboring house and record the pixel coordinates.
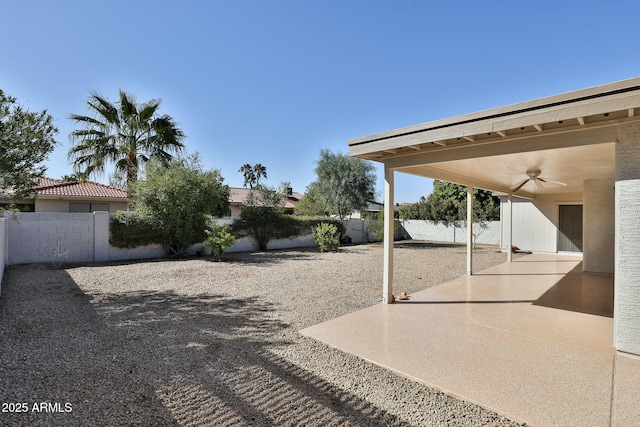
(372, 211)
(55, 195)
(569, 166)
(238, 200)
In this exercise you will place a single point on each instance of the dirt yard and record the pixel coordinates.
(201, 343)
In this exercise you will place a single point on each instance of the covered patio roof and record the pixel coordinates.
(568, 137)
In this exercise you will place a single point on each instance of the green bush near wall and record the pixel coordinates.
(130, 229)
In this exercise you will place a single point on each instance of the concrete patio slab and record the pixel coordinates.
(531, 339)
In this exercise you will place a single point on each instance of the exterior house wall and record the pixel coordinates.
(535, 222)
(62, 206)
(599, 226)
(627, 240)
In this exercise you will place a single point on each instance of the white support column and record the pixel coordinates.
(469, 230)
(387, 280)
(509, 220)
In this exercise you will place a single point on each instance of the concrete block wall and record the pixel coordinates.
(49, 237)
(438, 232)
(36, 237)
(3, 249)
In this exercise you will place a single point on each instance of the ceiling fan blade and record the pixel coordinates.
(552, 181)
(520, 185)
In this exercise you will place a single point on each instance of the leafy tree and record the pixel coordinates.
(309, 205)
(344, 184)
(26, 139)
(263, 218)
(125, 134)
(177, 199)
(375, 227)
(448, 203)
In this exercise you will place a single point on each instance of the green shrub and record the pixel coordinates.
(375, 227)
(326, 236)
(130, 229)
(219, 238)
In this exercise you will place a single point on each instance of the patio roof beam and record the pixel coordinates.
(595, 133)
(434, 173)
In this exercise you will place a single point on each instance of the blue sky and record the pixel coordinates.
(274, 82)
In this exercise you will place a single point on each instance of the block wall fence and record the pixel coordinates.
(27, 237)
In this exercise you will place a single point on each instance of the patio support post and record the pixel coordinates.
(510, 227)
(387, 280)
(469, 230)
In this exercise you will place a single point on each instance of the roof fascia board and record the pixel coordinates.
(77, 198)
(607, 98)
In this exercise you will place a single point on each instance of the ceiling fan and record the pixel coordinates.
(534, 175)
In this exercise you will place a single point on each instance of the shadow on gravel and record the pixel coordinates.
(155, 358)
(416, 244)
(280, 255)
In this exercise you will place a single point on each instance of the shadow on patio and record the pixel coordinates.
(531, 339)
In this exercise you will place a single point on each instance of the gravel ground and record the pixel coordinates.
(202, 343)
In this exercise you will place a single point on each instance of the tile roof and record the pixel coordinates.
(238, 196)
(57, 187)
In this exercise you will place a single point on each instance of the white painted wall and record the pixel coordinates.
(435, 231)
(34, 237)
(535, 221)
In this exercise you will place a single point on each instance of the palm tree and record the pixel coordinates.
(249, 175)
(260, 172)
(125, 134)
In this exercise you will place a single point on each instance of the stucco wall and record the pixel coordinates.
(627, 240)
(62, 206)
(599, 226)
(535, 221)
